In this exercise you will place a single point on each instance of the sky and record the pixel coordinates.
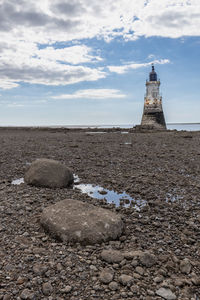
(85, 62)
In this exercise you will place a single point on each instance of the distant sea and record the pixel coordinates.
(170, 126)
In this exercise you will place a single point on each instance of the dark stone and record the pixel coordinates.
(48, 173)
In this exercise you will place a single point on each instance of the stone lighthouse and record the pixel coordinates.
(153, 117)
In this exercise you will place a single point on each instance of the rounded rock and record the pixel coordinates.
(48, 173)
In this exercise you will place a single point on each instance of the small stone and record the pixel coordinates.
(26, 294)
(136, 275)
(158, 279)
(113, 286)
(66, 289)
(112, 256)
(132, 254)
(134, 263)
(147, 259)
(20, 280)
(125, 279)
(47, 288)
(139, 270)
(185, 266)
(166, 294)
(39, 269)
(7, 297)
(93, 268)
(106, 275)
(195, 280)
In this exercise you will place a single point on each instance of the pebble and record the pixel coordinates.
(47, 288)
(185, 266)
(147, 259)
(26, 294)
(125, 279)
(158, 279)
(113, 286)
(106, 275)
(139, 270)
(166, 294)
(67, 289)
(112, 256)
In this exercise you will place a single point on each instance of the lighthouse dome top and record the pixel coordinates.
(153, 74)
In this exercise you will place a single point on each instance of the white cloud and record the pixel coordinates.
(125, 68)
(74, 55)
(26, 25)
(24, 62)
(15, 105)
(92, 94)
(64, 20)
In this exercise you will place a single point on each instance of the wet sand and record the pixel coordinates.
(161, 168)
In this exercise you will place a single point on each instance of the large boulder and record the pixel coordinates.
(75, 221)
(48, 173)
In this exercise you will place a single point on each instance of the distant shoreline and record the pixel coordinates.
(89, 126)
(98, 128)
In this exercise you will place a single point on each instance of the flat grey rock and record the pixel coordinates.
(75, 221)
(166, 293)
(48, 173)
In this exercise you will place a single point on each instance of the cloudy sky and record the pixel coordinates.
(73, 62)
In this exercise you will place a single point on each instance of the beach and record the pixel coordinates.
(160, 171)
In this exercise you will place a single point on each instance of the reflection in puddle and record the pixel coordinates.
(76, 179)
(127, 143)
(119, 199)
(18, 181)
(124, 132)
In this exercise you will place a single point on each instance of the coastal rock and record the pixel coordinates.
(78, 222)
(48, 173)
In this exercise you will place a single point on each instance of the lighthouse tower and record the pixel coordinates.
(153, 116)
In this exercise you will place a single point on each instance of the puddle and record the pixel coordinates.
(172, 198)
(119, 199)
(127, 143)
(76, 179)
(124, 132)
(18, 181)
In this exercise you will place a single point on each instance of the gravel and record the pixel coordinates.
(162, 169)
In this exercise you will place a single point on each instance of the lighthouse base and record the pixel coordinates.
(154, 120)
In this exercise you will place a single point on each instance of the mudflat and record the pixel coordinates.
(159, 249)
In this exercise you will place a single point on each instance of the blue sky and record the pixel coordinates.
(79, 62)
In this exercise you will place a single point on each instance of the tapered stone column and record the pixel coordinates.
(153, 116)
